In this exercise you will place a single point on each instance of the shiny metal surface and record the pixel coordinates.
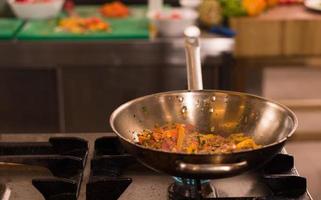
(209, 168)
(193, 58)
(195, 82)
(222, 112)
(210, 111)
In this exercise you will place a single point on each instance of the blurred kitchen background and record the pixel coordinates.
(65, 65)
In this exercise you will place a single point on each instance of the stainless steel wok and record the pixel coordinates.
(222, 112)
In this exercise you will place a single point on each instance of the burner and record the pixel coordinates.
(191, 189)
(65, 157)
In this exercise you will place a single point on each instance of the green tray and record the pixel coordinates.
(9, 27)
(132, 27)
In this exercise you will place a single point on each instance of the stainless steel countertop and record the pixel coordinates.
(64, 53)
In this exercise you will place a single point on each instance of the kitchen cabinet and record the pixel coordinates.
(28, 100)
(92, 93)
(74, 86)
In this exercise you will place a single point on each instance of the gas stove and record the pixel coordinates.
(96, 167)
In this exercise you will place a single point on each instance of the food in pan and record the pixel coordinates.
(115, 10)
(83, 25)
(185, 138)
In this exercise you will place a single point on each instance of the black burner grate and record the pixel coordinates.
(281, 177)
(65, 157)
(109, 161)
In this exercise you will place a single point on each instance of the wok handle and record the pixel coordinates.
(193, 58)
(214, 169)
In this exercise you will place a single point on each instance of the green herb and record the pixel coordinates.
(144, 109)
(232, 8)
(198, 139)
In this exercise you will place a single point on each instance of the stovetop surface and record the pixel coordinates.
(18, 179)
(154, 186)
(146, 184)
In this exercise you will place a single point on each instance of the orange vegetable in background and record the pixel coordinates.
(83, 25)
(254, 7)
(114, 9)
(271, 3)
